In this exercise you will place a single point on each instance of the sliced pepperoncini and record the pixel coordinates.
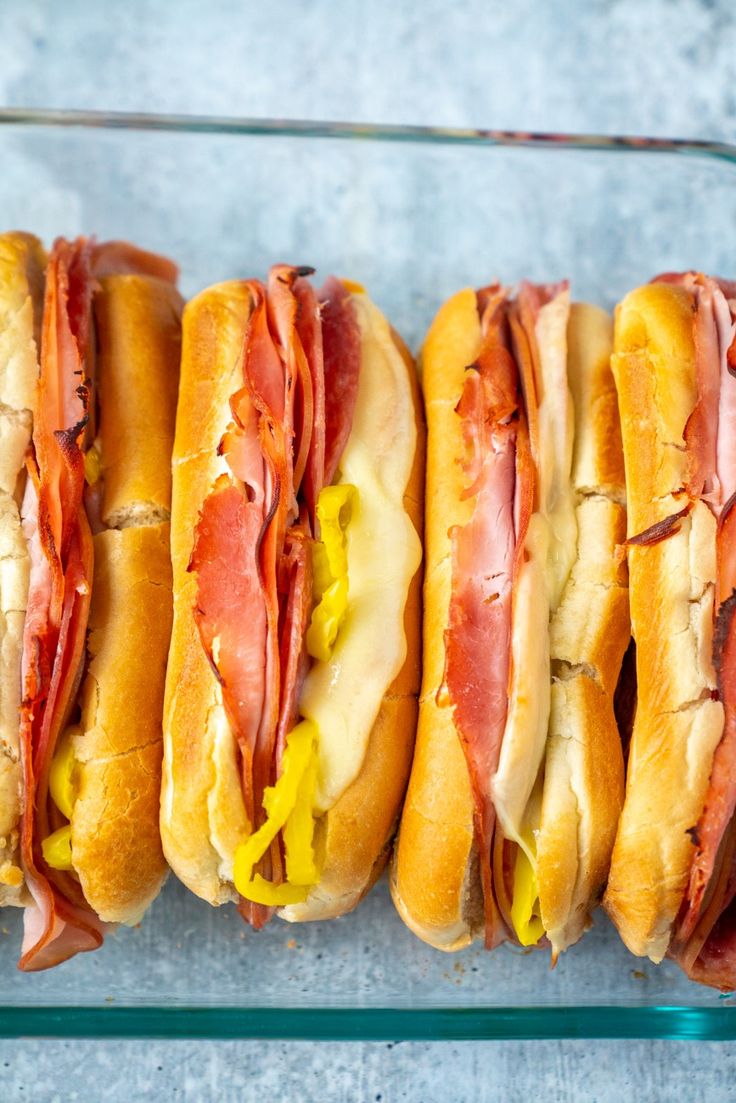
(525, 904)
(288, 806)
(330, 569)
(62, 775)
(92, 466)
(57, 849)
(298, 832)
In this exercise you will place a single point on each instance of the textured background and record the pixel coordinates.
(660, 66)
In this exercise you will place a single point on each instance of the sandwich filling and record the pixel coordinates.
(510, 563)
(59, 922)
(303, 553)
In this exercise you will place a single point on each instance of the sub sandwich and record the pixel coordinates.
(517, 779)
(293, 671)
(672, 885)
(86, 544)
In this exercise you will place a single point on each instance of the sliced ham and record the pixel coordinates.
(311, 392)
(265, 380)
(295, 584)
(55, 928)
(720, 801)
(341, 344)
(252, 549)
(230, 612)
(478, 637)
(55, 633)
(715, 965)
(704, 955)
(710, 432)
(58, 923)
(524, 314)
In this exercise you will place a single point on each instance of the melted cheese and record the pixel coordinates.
(525, 734)
(342, 696)
(556, 433)
(551, 549)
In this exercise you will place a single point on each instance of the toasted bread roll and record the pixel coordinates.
(22, 262)
(678, 723)
(201, 775)
(589, 633)
(436, 873)
(139, 334)
(435, 882)
(115, 838)
(203, 811)
(116, 844)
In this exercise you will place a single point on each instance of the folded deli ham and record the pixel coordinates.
(525, 624)
(485, 552)
(251, 555)
(60, 920)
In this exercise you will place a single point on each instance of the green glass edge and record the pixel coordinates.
(379, 132)
(371, 1024)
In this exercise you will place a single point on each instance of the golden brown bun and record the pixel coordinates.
(654, 366)
(357, 830)
(22, 266)
(677, 724)
(201, 780)
(139, 330)
(434, 879)
(589, 633)
(203, 817)
(116, 844)
(22, 263)
(115, 838)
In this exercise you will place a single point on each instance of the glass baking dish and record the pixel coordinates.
(414, 214)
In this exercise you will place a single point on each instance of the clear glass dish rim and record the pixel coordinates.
(714, 1023)
(676, 1023)
(68, 118)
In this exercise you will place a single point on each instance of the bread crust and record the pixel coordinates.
(200, 772)
(203, 816)
(434, 881)
(589, 633)
(22, 263)
(139, 330)
(22, 266)
(677, 724)
(116, 844)
(115, 839)
(654, 368)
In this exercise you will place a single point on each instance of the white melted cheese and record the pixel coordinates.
(525, 734)
(343, 696)
(551, 549)
(556, 434)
